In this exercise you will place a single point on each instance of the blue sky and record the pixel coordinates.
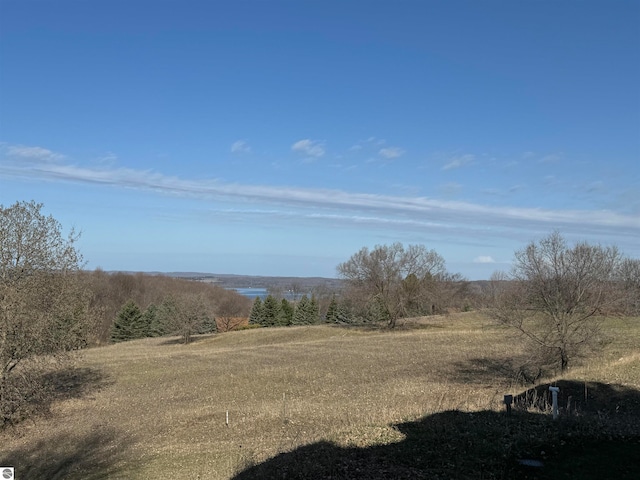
(278, 138)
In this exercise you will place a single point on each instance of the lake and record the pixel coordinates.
(253, 293)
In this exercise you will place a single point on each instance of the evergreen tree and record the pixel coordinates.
(314, 310)
(286, 313)
(302, 311)
(128, 324)
(165, 316)
(332, 311)
(338, 313)
(148, 318)
(209, 325)
(272, 311)
(256, 317)
(154, 321)
(307, 311)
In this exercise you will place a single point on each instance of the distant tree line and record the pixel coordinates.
(184, 316)
(384, 284)
(163, 303)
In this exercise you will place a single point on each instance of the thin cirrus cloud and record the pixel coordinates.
(33, 153)
(391, 152)
(311, 148)
(459, 161)
(373, 209)
(484, 259)
(240, 146)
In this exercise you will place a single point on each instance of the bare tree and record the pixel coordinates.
(44, 308)
(186, 314)
(232, 310)
(295, 290)
(390, 278)
(556, 296)
(629, 278)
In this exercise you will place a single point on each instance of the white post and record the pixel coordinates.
(554, 393)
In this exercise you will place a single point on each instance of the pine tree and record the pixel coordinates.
(256, 317)
(338, 313)
(286, 313)
(332, 311)
(128, 324)
(272, 311)
(307, 311)
(302, 311)
(314, 310)
(209, 325)
(154, 321)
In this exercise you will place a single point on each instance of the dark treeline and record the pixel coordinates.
(122, 295)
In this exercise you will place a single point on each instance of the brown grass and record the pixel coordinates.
(159, 409)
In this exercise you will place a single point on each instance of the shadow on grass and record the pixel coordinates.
(485, 444)
(487, 370)
(94, 455)
(97, 455)
(75, 382)
(402, 326)
(194, 339)
(33, 390)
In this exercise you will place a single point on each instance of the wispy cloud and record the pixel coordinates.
(542, 158)
(109, 158)
(551, 180)
(309, 147)
(391, 152)
(484, 259)
(375, 141)
(371, 144)
(459, 161)
(502, 193)
(375, 208)
(240, 146)
(33, 153)
(550, 158)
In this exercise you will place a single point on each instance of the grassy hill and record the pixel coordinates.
(423, 401)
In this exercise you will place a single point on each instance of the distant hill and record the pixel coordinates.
(301, 284)
(304, 284)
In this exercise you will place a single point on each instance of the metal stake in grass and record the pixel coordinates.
(284, 408)
(227, 419)
(508, 400)
(554, 393)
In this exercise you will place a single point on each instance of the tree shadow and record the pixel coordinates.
(197, 338)
(96, 455)
(487, 370)
(75, 382)
(34, 390)
(487, 444)
(93, 455)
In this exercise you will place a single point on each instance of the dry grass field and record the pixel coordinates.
(221, 406)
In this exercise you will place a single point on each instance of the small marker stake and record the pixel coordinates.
(508, 400)
(554, 393)
(227, 421)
